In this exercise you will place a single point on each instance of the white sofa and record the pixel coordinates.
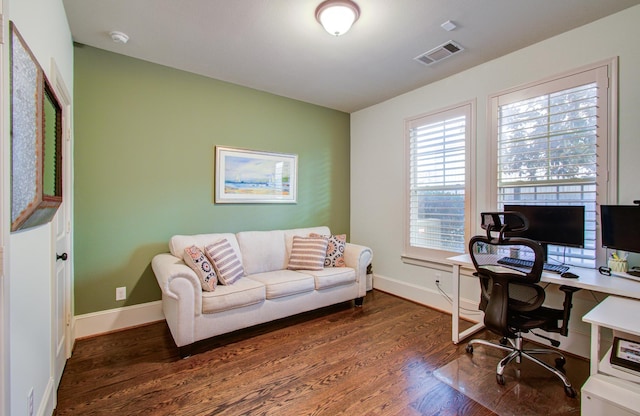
(268, 291)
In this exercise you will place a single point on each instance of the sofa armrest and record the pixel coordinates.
(358, 257)
(178, 281)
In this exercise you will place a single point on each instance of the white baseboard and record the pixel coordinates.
(48, 404)
(102, 322)
(424, 296)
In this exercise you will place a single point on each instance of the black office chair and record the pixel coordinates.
(511, 299)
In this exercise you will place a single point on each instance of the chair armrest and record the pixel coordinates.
(567, 304)
(358, 257)
(177, 280)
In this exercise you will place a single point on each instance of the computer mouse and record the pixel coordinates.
(569, 275)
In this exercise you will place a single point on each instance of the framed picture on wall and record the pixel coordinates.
(36, 139)
(255, 177)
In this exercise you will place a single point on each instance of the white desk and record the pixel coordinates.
(590, 279)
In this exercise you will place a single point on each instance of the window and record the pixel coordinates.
(552, 143)
(438, 170)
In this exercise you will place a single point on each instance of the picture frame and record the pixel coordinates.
(245, 176)
(36, 134)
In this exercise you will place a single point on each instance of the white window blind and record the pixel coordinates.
(548, 149)
(437, 149)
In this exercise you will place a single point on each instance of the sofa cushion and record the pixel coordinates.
(335, 250)
(225, 261)
(243, 293)
(284, 282)
(196, 259)
(262, 251)
(308, 253)
(332, 277)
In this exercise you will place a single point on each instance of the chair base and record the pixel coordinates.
(516, 353)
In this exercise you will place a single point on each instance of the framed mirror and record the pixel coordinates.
(36, 140)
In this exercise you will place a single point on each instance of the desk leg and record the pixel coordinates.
(455, 310)
(456, 335)
(595, 349)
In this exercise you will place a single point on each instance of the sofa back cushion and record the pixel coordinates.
(268, 251)
(178, 243)
(262, 251)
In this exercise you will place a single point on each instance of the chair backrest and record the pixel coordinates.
(506, 287)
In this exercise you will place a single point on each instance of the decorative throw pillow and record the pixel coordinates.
(308, 253)
(225, 261)
(335, 250)
(195, 258)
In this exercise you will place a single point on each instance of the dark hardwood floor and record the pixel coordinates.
(376, 360)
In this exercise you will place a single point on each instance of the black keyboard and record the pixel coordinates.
(510, 261)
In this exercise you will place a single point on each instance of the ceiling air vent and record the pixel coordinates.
(439, 53)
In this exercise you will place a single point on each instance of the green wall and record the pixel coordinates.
(144, 164)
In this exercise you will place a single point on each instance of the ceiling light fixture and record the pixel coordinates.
(448, 26)
(337, 16)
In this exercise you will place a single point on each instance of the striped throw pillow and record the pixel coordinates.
(335, 250)
(225, 261)
(195, 258)
(308, 253)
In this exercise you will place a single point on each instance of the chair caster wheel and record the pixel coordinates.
(569, 391)
(500, 379)
(504, 341)
(560, 362)
(469, 349)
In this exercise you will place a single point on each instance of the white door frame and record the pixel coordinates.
(60, 353)
(4, 237)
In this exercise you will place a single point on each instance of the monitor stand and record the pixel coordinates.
(545, 252)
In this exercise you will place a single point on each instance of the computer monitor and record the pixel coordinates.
(560, 225)
(621, 227)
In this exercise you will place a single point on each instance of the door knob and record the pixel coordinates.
(62, 257)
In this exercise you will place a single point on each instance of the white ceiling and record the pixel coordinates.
(277, 46)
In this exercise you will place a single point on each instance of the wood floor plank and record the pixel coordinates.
(375, 360)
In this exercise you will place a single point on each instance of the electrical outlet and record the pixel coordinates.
(30, 402)
(438, 277)
(121, 293)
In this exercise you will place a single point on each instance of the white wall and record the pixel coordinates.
(43, 25)
(377, 149)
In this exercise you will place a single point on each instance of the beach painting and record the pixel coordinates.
(250, 176)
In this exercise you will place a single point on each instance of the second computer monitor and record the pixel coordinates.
(621, 227)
